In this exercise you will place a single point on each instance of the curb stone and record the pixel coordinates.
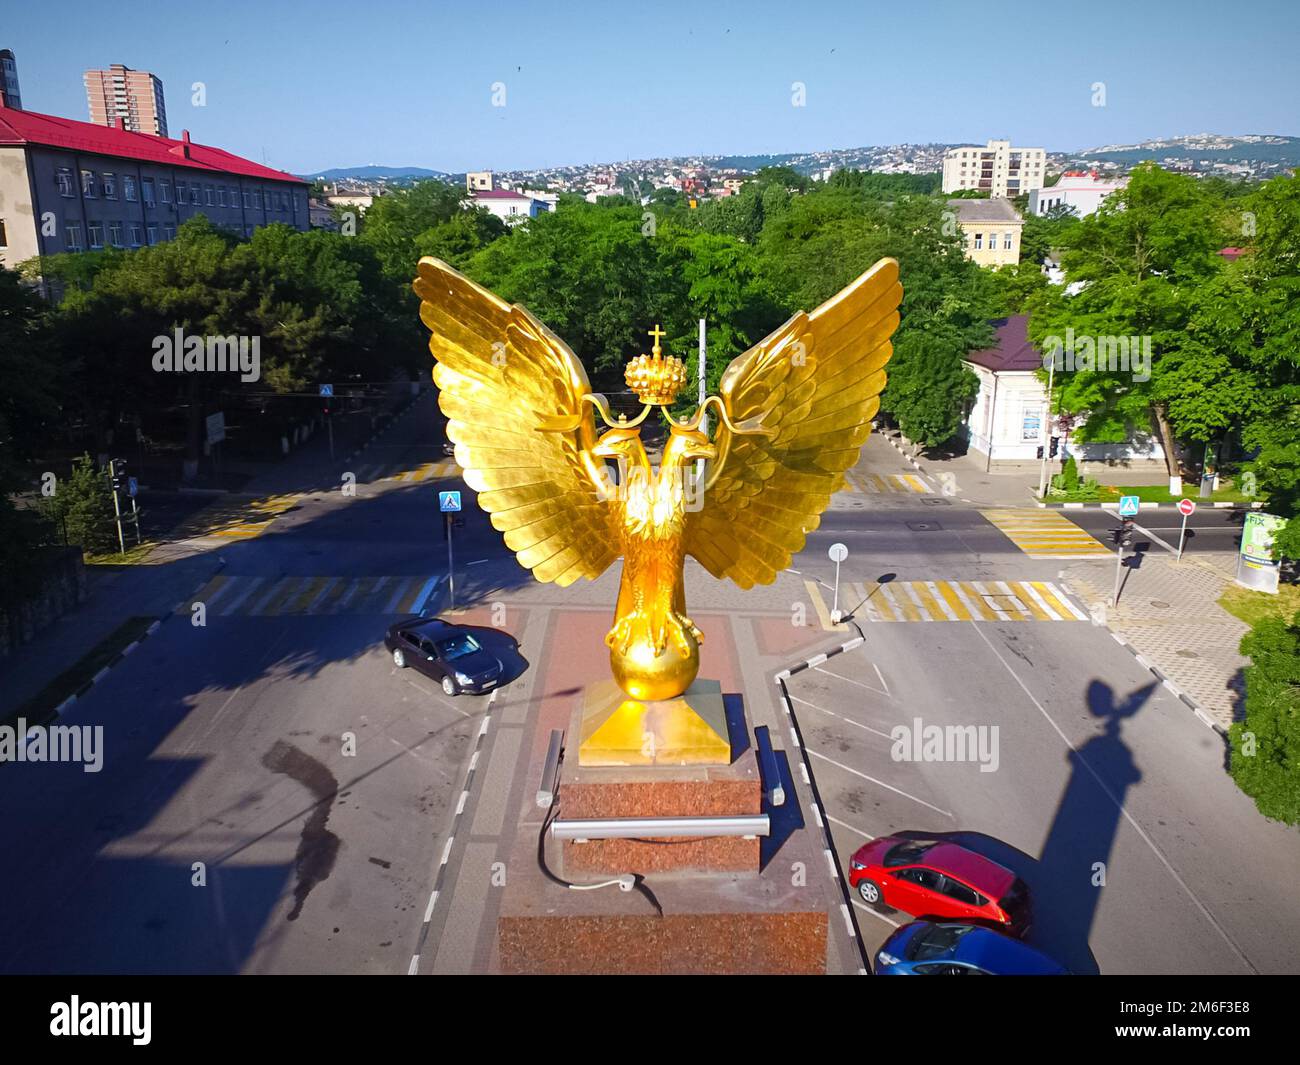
(796, 736)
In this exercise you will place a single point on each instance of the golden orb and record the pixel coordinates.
(649, 677)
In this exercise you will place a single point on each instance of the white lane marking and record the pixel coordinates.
(875, 913)
(841, 717)
(413, 968)
(1064, 600)
(881, 783)
(882, 679)
(428, 910)
(850, 680)
(852, 828)
(1119, 805)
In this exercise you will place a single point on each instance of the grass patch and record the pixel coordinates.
(1153, 493)
(39, 709)
(136, 555)
(1253, 607)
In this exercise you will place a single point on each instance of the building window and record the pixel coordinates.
(146, 191)
(110, 187)
(128, 188)
(169, 232)
(88, 184)
(72, 236)
(221, 195)
(979, 241)
(266, 199)
(209, 195)
(182, 192)
(165, 191)
(137, 235)
(115, 234)
(4, 238)
(96, 232)
(1006, 241)
(248, 200)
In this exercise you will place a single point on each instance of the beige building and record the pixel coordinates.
(998, 169)
(478, 181)
(128, 99)
(990, 231)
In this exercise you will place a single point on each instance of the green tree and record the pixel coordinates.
(1265, 759)
(81, 508)
(1141, 258)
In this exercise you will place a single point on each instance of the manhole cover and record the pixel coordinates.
(1006, 604)
(1160, 603)
(1188, 654)
(935, 501)
(923, 526)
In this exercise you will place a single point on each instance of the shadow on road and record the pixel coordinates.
(1067, 879)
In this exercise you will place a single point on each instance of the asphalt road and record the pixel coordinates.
(278, 746)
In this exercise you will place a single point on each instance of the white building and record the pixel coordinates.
(1082, 191)
(1007, 423)
(510, 206)
(998, 169)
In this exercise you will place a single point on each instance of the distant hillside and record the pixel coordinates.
(374, 172)
(1267, 149)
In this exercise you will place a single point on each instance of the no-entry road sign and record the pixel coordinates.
(1186, 507)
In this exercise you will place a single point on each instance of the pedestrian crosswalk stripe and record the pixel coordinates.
(437, 471)
(948, 600)
(885, 484)
(819, 605)
(1045, 534)
(248, 596)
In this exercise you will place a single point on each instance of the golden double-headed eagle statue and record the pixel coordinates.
(793, 412)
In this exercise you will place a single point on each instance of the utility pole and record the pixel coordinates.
(451, 567)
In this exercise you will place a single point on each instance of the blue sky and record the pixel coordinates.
(305, 87)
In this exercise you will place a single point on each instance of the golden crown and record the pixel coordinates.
(656, 378)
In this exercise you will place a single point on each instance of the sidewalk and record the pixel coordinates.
(1169, 616)
(971, 482)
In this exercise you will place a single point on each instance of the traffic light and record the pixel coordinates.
(1122, 535)
(1056, 446)
(118, 467)
(1040, 452)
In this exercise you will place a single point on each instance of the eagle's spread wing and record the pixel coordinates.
(512, 392)
(815, 383)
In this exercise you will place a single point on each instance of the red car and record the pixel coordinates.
(943, 881)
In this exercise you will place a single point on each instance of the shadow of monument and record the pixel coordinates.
(1067, 879)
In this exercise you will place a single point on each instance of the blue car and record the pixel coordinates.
(924, 948)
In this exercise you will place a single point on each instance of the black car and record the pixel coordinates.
(448, 448)
(448, 653)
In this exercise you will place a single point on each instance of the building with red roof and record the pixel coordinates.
(73, 186)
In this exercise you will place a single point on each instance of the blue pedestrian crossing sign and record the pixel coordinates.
(326, 391)
(448, 502)
(1128, 506)
(132, 486)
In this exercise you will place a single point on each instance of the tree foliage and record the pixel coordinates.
(1265, 760)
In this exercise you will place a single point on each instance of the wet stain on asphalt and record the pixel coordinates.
(318, 848)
